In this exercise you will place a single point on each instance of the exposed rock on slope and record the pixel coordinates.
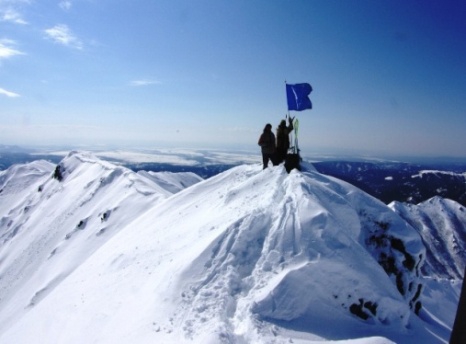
(442, 226)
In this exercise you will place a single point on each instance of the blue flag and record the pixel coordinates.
(297, 96)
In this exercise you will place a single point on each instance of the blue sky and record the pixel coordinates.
(388, 76)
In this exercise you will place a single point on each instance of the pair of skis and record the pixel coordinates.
(294, 138)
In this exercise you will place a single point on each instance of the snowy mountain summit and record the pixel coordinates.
(91, 252)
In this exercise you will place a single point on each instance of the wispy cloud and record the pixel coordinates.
(62, 34)
(7, 50)
(144, 82)
(65, 5)
(10, 11)
(12, 16)
(8, 93)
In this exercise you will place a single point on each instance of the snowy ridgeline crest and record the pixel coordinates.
(247, 256)
(52, 218)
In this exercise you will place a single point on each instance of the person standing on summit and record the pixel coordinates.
(267, 144)
(283, 139)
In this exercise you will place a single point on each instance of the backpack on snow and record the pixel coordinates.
(292, 161)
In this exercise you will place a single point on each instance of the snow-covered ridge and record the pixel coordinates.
(172, 182)
(54, 217)
(423, 173)
(442, 225)
(247, 256)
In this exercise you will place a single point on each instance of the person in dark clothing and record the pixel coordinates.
(267, 144)
(283, 139)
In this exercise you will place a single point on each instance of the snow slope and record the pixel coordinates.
(50, 227)
(247, 256)
(172, 182)
(442, 225)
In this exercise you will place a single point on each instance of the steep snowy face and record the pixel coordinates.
(19, 181)
(52, 218)
(171, 181)
(308, 250)
(442, 226)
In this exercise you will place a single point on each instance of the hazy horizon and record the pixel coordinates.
(251, 154)
(386, 76)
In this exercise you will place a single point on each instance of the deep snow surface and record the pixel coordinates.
(249, 256)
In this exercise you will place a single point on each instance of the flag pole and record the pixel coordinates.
(293, 132)
(288, 113)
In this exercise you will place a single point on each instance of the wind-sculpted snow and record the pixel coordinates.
(442, 225)
(19, 181)
(247, 256)
(301, 253)
(49, 227)
(172, 181)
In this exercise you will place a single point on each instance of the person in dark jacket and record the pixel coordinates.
(267, 144)
(283, 139)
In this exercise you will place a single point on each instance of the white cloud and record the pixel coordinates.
(65, 5)
(8, 93)
(11, 15)
(6, 49)
(9, 11)
(62, 34)
(143, 82)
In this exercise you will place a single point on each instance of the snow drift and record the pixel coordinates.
(247, 256)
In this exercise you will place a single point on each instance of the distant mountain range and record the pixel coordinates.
(404, 182)
(411, 182)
